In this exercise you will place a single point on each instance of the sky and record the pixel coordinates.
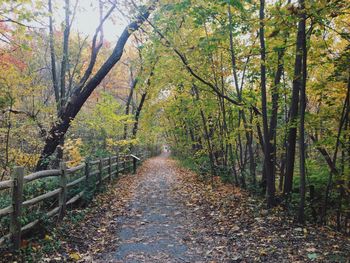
(87, 19)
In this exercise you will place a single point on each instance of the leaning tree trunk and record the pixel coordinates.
(82, 93)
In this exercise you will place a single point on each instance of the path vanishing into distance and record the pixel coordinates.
(164, 213)
(157, 227)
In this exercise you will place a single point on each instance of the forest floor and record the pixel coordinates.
(164, 213)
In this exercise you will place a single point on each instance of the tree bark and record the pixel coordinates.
(53, 57)
(137, 114)
(142, 101)
(65, 55)
(127, 106)
(293, 113)
(302, 187)
(270, 179)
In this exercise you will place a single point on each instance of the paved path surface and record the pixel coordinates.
(157, 227)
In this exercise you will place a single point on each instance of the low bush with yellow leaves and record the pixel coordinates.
(72, 151)
(24, 159)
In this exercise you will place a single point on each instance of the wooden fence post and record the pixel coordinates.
(117, 166)
(17, 199)
(134, 164)
(130, 163)
(63, 193)
(110, 168)
(124, 163)
(100, 169)
(87, 174)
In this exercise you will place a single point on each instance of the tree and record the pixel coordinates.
(85, 87)
(302, 112)
(267, 143)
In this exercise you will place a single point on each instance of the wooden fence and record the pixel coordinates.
(96, 171)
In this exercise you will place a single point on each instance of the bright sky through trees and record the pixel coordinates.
(87, 19)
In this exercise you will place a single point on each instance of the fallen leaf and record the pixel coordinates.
(75, 256)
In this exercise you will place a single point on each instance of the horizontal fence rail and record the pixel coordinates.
(96, 171)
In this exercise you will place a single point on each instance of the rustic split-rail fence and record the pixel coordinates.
(82, 177)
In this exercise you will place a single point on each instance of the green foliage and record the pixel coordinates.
(200, 124)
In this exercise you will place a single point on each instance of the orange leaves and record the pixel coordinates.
(7, 60)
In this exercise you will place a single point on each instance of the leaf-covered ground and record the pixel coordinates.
(165, 214)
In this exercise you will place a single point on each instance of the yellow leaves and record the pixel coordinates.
(75, 256)
(48, 237)
(72, 149)
(24, 159)
(120, 143)
(104, 118)
(305, 231)
(13, 81)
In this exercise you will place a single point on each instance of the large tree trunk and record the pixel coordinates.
(293, 113)
(302, 115)
(82, 93)
(270, 179)
(60, 90)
